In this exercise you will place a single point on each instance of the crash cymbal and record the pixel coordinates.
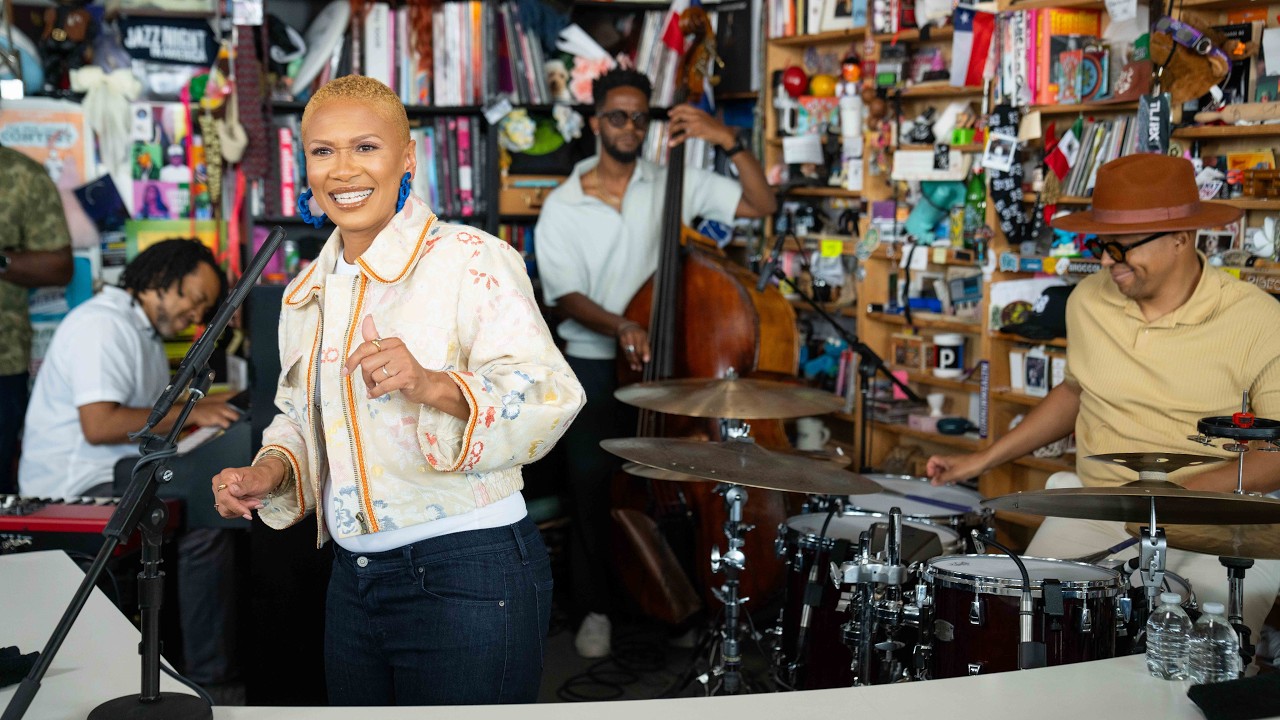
(1155, 461)
(737, 398)
(740, 462)
(653, 473)
(1259, 542)
(1175, 505)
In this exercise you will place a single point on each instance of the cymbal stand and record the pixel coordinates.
(1235, 604)
(728, 666)
(1153, 551)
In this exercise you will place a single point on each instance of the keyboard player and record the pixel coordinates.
(104, 369)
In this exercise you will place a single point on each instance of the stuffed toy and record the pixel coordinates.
(66, 42)
(1195, 59)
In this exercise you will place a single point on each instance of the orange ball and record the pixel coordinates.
(822, 86)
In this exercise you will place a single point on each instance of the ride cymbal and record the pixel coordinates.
(1259, 542)
(740, 462)
(736, 398)
(1175, 505)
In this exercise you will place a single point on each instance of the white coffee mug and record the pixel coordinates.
(948, 355)
(811, 434)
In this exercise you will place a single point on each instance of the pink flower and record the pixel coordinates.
(584, 72)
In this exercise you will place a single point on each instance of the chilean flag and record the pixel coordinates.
(671, 35)
(970, 45)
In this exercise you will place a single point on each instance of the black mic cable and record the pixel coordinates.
(1031, 654)
(771, 264)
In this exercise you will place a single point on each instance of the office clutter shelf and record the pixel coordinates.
(883, 273)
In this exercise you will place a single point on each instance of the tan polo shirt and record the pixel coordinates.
(1145, 385)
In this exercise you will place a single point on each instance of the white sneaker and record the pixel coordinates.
(593, 639)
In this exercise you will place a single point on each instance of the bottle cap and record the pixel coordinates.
(1213, 608)
(1172, 598)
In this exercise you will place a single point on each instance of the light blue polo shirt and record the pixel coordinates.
(585, 246)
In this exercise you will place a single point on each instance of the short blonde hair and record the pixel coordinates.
(364, 90)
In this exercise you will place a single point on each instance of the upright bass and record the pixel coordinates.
(706, 319)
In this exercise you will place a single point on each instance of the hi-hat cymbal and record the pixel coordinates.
(1175, 505)
(736, 398)
(1155, 461)
(740, 462)
(1259, 542)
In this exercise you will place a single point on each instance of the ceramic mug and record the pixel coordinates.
(811, 434)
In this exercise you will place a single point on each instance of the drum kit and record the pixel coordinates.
(888, 580)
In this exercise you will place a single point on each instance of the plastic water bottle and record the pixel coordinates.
(1168, 630)
(1215, 647)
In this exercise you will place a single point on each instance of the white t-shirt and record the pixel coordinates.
(106, 350)
(585, 246)
(506, 511)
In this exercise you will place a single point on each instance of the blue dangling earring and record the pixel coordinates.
(304, 210)
(404, 191)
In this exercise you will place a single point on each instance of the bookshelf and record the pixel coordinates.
(878, 329)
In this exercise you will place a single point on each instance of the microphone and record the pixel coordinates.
(766, 271)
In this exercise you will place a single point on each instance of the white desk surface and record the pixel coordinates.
(99, 661)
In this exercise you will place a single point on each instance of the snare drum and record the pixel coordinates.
(952, 506)
(976, 598)
(820, 658)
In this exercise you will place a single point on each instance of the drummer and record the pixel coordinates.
(1159, 340)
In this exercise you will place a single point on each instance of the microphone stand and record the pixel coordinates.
(868, 364)
(140, 508)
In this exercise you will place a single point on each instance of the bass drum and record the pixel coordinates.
(816, 656)
(975, 599)
(953, 506)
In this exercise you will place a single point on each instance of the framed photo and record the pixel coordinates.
(1036, 379)
(839, 14)
(1212, 242)
(999, 154)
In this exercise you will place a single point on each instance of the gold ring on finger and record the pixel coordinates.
(377, 342)
(223, 486)
(216, 506)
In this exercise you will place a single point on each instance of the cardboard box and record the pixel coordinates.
(524, 194)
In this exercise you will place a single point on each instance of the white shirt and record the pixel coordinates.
(585, 246)
(506, 511)
(106, 350)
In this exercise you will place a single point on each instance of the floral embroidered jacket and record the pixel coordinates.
(461, 301)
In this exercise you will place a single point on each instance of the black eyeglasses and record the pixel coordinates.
(619, 118)
(1115, 249)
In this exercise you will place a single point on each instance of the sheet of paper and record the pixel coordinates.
(1271, 50)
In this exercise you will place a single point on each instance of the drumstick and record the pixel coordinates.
(928, 500)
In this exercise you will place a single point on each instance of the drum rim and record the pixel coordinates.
(811, 538)
(987, 584)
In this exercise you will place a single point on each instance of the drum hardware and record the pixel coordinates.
(819, 655)
(881, 612)
(733, 562)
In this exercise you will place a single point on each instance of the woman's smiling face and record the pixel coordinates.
(355, 160)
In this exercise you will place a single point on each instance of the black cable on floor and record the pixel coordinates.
(634, 655)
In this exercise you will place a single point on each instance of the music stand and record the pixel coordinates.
(139, 508)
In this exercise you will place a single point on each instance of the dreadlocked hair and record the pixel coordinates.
(168, 262)
(617, 78)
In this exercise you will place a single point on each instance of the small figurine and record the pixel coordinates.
(66, 43)
(921, 132)
(558, 81)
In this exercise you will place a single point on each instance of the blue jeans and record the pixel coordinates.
(459, 619)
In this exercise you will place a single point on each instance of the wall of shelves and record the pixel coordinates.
(877, 329)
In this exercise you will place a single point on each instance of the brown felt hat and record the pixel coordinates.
(1147, 193)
